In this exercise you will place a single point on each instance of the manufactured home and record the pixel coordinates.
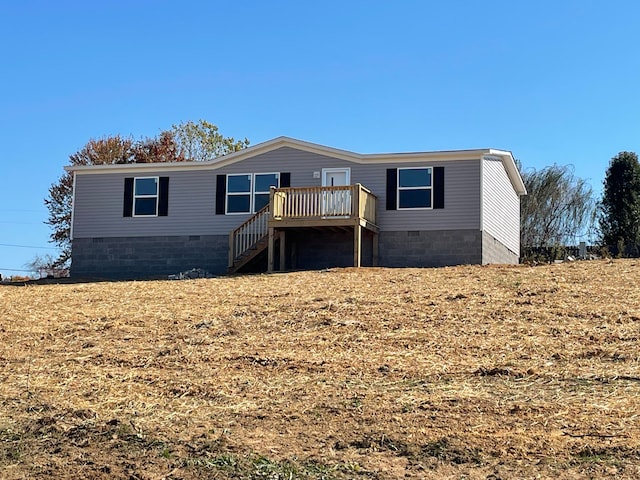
(289, 204)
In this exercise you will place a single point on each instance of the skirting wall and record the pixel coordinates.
(430, 248)
(147, 257)
(495, 252)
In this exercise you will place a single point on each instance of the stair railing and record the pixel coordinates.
(248, 234)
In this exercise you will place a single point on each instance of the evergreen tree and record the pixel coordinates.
(620, 205)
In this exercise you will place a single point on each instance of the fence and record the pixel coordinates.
(559, 252)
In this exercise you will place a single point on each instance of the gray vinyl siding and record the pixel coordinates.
(500, 205)
(99, 197)
(99, 203)
(461, 199)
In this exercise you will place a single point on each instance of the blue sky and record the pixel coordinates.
(552, 81)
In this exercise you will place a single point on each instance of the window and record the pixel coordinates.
(263, 183)
(145, 197)
(239, 193)
(414, 188)
(247, 193)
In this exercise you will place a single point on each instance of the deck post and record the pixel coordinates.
(282, 251)
(355, 201)
(270, 251)
(272, 205)
(232, 252)
(376, 248)
(357, 245)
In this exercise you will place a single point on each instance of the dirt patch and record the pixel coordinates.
(466, 372)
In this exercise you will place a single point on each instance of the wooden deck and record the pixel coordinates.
(344, 207)
(322, 206)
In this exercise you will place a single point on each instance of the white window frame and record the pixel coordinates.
(253, 187)
(252, 192)
(228, 193)
(421, 187)
(135, 196)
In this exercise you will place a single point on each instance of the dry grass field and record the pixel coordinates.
(467, 372)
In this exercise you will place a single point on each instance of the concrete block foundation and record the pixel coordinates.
(147, 257)
(430, 248)
(157, 257)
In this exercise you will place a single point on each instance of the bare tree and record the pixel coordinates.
(559, 208)
(46, 266)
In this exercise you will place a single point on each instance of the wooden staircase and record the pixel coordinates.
(302, 209)
(248, 240)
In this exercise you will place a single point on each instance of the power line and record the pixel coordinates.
(21, 210)
(15, 270)
(25, 246)
(21, 223)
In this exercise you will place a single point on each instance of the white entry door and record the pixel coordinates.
(336, 203)
(335, 177)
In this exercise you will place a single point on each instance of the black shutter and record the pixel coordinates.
(438, 187)
(163, 197)
(392, 188)
(285, 179)
(221, 194)
(127, 209)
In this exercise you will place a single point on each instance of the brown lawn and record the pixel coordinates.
(465, 372)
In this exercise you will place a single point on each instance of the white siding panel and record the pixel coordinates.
(500, 205)
(99, 197)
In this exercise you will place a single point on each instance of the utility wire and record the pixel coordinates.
(25, 246)
(22, 223)
(21, 210)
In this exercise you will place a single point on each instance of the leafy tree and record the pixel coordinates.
(107, 150)
(164, 148)
(620, 206)
(201, 141)
(558, 209)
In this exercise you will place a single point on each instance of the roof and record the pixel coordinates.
(447, 155)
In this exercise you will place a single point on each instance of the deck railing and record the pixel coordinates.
(350, 201)
(248, 234)
(366, 204)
